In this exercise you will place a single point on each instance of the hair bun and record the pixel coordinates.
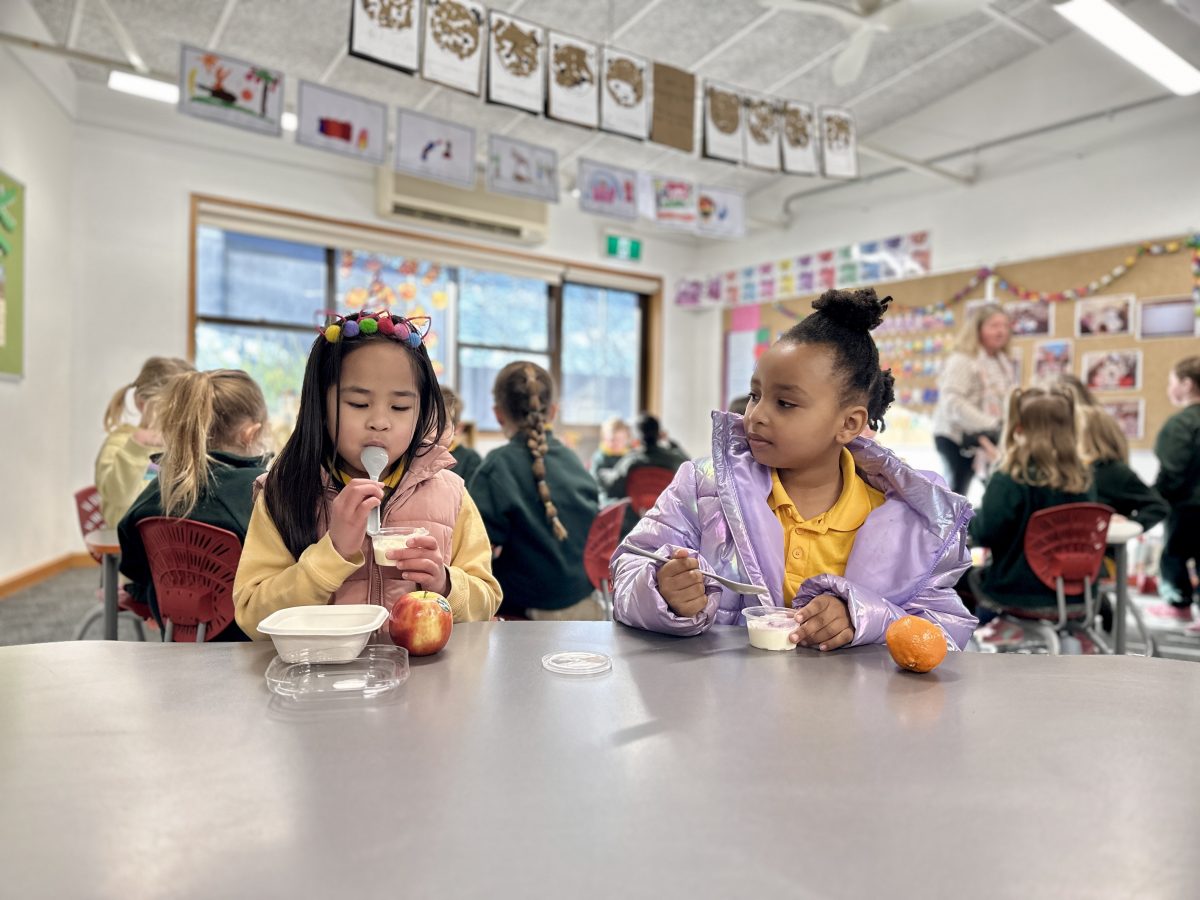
(859, 310)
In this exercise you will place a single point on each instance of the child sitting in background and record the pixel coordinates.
(368, 382)
(1041, 468)
(213, 425)
(538, 503)
(1104, 449)
(466, 459)
(793, 499)
(650, 453)
(123, 465)
(615, 441)
(1178, 450)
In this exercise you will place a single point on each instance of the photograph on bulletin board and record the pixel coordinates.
(1030, 318)
(1112, 370)
(1104, 316)
(1051, 359)
(1167, 317)
(1130, 415)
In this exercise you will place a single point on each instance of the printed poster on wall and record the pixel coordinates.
(624, 98)
(455, 37)
(720, 213)
(434, 149)
(673, 112)
(799, 139)
(1130, 415)
(723, 122)
(516, 63)
(762, 133)
(12, 275)
(574, 70)
(341, 123)
(387, 32)
(521, 169)
(230, 91)
(674, 202)
(839, 143)
(1112, 370)
(607, 190)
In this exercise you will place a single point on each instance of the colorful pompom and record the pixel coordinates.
(368, 326)
(333, 334)
(350, 329)
(402, 330)
(414, 339)
(386, 326)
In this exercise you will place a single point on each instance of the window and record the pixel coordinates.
(259, 301)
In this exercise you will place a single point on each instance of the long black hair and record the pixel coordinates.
(842, 321)
(294, 486)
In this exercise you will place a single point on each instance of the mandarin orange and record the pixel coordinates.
(916, 644)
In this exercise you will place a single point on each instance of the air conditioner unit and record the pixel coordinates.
(416, 202)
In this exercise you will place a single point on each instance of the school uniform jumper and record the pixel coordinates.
(1178, 450)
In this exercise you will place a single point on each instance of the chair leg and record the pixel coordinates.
(1151, 647)
(1050, 635)
(87, 622)
(139, 627)
(169, 633)
(200, 632)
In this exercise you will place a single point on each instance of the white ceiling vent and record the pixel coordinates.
(416, 202)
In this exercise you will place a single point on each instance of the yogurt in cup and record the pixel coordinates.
(769, 626)
(394, 538)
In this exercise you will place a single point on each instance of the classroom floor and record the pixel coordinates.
(53, 610)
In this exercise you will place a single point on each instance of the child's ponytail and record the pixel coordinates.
(526, 392)
(150, 382)
(115, 411)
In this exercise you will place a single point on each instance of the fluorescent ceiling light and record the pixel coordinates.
(151, 88)
(288, 121)
(1127, 39)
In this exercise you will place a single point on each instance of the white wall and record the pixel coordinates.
(36, 140)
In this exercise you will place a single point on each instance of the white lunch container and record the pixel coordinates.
(322, 634)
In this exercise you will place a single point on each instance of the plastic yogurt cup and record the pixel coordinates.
(769, 626)
(394, 538)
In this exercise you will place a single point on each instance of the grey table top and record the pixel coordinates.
(698, 767)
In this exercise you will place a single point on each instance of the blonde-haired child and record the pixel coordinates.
(466, 460)
(1104, 449)
(1041, 467)
(123, 466)
(213, 427)
(1178, 450)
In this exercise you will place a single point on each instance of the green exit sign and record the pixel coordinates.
(619, 247)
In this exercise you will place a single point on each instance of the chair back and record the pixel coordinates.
(644, 484)
(602, 540)
(1067, 542)
(87, 506)
(192, 566)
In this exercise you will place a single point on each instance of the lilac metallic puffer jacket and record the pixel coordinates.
(907, 556)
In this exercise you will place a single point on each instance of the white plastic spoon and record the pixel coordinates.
(374, 460)
(728, 582)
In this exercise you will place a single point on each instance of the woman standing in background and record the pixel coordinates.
(972, 392)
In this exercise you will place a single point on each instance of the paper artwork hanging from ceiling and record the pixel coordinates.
(761, 116)
(516, 63)
(839, 143)
(574, 70)
(387, 32)
(342, 123)
(720, 213)
(673, 110)
(229, 90)
(521, 169)
(625, 94)
(607, 190)
(454, 44)
(723, 122)
(434, 149)
(674, 202)
(799, 134)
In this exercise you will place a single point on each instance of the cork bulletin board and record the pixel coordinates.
(1098, 337)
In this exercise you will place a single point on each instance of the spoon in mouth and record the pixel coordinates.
(374, 461)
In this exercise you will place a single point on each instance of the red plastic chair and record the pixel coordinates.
(192, 565)
(643, 484)
(87, 507)
(602, 540)
(1064, 547)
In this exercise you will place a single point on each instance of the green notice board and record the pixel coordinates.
(12, 274)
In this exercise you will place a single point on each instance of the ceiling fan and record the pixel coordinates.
(869, 17)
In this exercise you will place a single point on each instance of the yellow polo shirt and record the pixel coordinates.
(821, 545)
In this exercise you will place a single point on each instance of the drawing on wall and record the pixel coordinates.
(607, 190)
(434, 149)
(455, 34)
(720, 213)
(839, 143)
(387, 32)
(762, 133)
(521, 169)
(327, 119)
(799, 139)
(230, 91)
(516, 63)
(624, 94)
(574, 70)
(674, 202)
(723, 123)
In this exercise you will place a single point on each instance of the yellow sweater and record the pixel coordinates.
(269, 578)
(121, 473)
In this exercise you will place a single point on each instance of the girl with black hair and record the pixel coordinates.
(369, 382)
(796, 501)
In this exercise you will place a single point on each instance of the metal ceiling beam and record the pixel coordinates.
(92, 59)
(1015, 25)
(916, 165)
(218, 31)
(76, 23)
(333, 64)
(124, 41)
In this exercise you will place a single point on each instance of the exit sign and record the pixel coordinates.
(619, 247)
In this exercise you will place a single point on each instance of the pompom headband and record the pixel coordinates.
(407, 331)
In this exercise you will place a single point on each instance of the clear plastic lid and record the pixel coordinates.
(576, 662)
(379, 669)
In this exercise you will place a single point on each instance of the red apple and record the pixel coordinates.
(421, 622)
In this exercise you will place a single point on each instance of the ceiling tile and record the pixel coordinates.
(299, 38)
(158, 28)
(675, 34)
(55, 15)
(368, 79)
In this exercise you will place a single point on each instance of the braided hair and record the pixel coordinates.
(525, 392)
(842, 321)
